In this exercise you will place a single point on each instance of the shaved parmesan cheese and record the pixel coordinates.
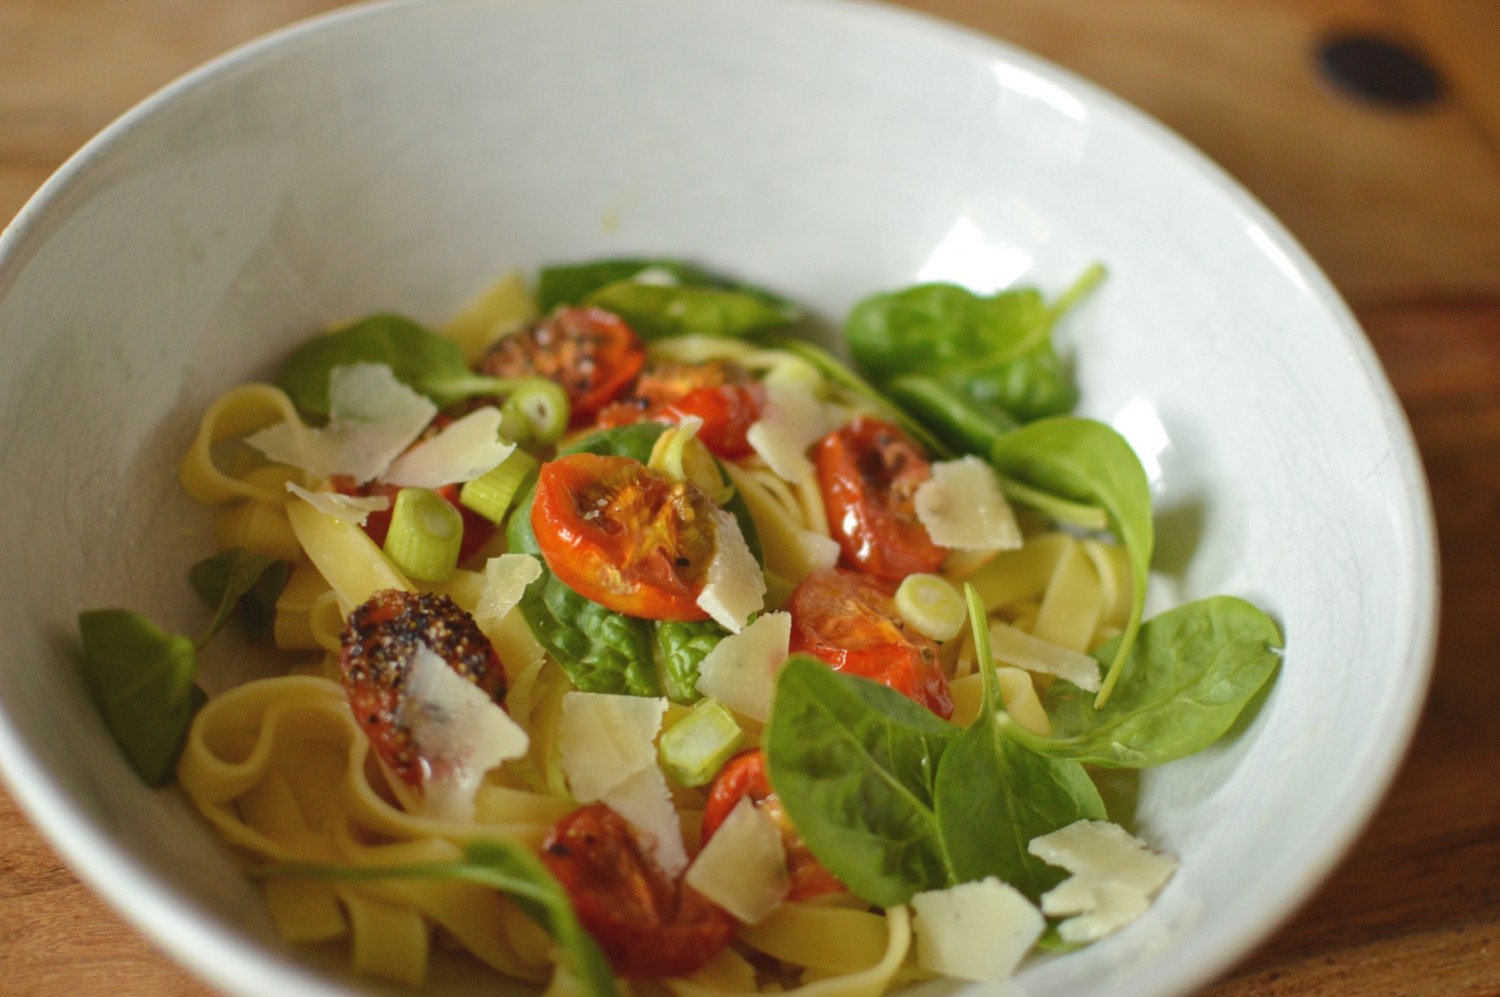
(505, 579)
(349, 508)
(735, 587)
(459, 731)
(461, 451)
(645, 800)
(743, 866)
(1019, 648)
(1114, 877)
(606, 739)
(740, 670)
(792, 421)
(372, 418)
(975, 931)
(961, 506)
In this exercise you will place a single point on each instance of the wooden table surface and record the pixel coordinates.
(1400, 204)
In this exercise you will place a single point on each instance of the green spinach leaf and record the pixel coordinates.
(141, 679)
(1187, 678)
(1088, 462)
(997, 350)
(570, 284)
(236, 577)
(965, 424)
(422, 360)
(504, 866)
(993, 795)
(856, 765)
(656, 311)
(599, 649)
(680, 650)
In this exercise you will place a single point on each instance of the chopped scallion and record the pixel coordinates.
(492, 493)
(425, 535)
(931, 605)
(695, 748)
(544, 406)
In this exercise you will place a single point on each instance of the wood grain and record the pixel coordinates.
(1402, 208)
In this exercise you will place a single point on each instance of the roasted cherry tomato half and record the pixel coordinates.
(744, 775)
(869, 472)
(619, 533)
(648, 924)
(721, 393)
(848, 620)
(592, 353)
(379, 640)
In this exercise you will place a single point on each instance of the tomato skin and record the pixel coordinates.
(744, 775)
(628, 538)
(721, 393)
(379, 639)
(727, 411)
(592, 353)
(848, 620)
(647, 924)
(868, 472)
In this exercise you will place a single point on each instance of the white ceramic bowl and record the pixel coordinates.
(400, 156)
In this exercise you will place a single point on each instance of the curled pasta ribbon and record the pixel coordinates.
(238, 412)
(281, 768)
(843, 952)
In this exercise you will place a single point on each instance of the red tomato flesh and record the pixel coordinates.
(848, 620)
(743, 776)
(628, 538)
(869, 472)
(648, 924)
(592, 353)
(721, 393)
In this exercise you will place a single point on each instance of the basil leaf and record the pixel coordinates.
(993, 794)
(236, 577)
(1088, 462)
(1187, 678)
(855, 765)
(141, 679)
(422, 360)
(504, 866)
(680, 649)
(656, 311)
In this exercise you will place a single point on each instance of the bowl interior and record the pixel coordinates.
(399, 157)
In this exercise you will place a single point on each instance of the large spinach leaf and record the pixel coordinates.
(994, 795)
(1088, 462)
(500, 865)
(419, 358)
(1185, 681)
(995, 349)
(856, 765)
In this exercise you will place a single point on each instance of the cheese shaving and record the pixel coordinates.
(743, 866)
(740, 670)
(961, 506)
(975, 931)
(461, 451)
(735, 587)
(1114, 877)
(792, 421)
(349, 508)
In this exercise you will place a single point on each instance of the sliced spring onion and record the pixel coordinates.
(931, 606)
(694, 749)
(492, 493)
(425, 535)
(544, 406)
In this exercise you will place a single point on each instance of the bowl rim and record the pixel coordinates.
(217, 953)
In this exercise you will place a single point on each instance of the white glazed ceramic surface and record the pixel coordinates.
(400, 157)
